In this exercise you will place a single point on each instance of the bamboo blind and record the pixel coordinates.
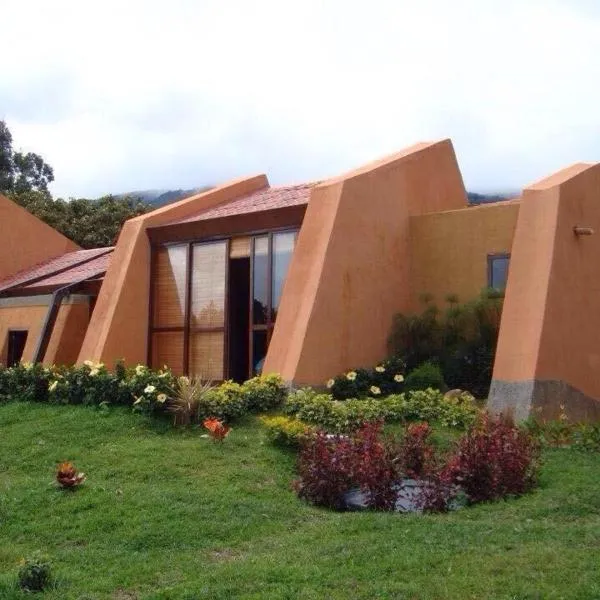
(208, 285)
(239, 247)
(167, 349)
(169, 286)
(207, 351)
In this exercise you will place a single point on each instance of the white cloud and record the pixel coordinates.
(173, 94)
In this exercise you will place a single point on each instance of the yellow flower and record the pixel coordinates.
(375, 390)
(380, 368)
(94, 372)
(351, 376)
(89, 363)
(52, 386)
(27, 365)
(140, 370)
(330, 383)
(162, 398)
(399, 378)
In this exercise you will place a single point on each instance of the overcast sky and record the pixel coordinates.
(124, 95)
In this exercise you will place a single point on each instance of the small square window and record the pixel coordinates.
(498, 265)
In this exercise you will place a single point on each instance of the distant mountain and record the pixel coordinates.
(475, 198)
(161, 197)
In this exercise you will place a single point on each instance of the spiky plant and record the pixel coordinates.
(186, 398)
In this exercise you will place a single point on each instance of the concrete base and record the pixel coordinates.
(542, 400)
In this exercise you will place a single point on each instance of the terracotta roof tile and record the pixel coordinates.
(87, 270)
(62, 267)
(261, 200)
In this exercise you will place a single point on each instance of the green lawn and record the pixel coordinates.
(167, 514)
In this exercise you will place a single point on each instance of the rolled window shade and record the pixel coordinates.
(170, 266)
(208, 284)
(207, 351)
(167, 349)
(239, 247)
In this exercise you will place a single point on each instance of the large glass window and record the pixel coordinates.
(271, 258)
(498, 271)
(188, 309)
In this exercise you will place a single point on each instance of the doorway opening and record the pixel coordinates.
(239, 319)
(16, 345)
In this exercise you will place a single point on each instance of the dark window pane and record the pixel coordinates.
(499, 272)
(283, 247)
(260, 279)
(259, 350)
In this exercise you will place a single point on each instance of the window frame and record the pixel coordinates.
(186, 329)
(490, 269)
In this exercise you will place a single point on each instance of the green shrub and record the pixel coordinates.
(462, 340)
(226, 402)
(264, 392)
(425, 376)
(383, 379)
(35, 574)
(285, 431)
(338, 416)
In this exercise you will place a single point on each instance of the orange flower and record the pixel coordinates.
(67, 475)
(217, 430)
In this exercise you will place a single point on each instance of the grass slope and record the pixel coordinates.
(168, 515)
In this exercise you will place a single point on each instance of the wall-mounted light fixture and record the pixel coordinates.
(578, 230)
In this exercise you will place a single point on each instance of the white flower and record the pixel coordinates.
(52, 386)
(375, 390)
(163, 374)
(140, 369)
(380, 368)
(162, 398)
(149, 389)
(89, 363)
(330, 383)
(351, 376)
(94, 372)
(138, 400)
(399, 378)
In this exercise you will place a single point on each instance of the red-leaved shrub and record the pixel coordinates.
(416, 453)
(494, 459)
(326, 467)
(329, 466)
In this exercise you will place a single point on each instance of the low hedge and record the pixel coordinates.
(336, 416)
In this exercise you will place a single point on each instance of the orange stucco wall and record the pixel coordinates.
(350, 272)
(551, 318)
(68, 333)
(449, 250)
(119, 325)
(25, 240)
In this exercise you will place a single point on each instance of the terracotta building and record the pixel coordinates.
(304, 280)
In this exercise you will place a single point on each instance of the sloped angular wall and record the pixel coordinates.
(548, 353)
(25, 240)
(350, 272)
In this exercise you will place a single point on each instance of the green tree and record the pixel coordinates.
(20, 172)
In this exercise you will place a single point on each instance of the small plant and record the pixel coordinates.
(416, 452)
(286, 431)
(186, 399)
(425, 376)
(35, 573)
(217, 430)
(494, 459)
(68, 477)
